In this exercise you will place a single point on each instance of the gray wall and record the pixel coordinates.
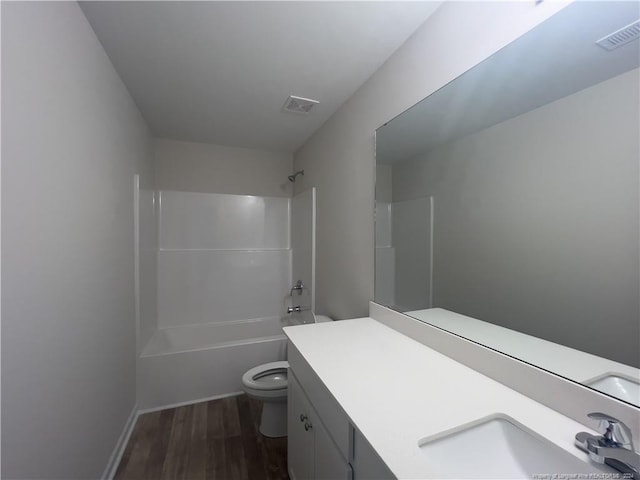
(536, 220)
(339, 158)
(202, 167)
(411, 235)
(72, 140)
(384, 184)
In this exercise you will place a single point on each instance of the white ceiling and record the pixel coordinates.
(220, 72)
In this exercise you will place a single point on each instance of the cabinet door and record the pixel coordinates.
(367, 465)
(300, 442)
(329, 463)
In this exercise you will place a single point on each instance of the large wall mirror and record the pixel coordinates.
(510, 196)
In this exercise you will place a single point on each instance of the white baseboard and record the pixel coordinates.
(189, 402)
(116, 455)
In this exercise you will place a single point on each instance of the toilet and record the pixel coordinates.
(268, 383)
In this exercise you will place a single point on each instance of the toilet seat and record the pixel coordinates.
(268, 383)
(267, 377)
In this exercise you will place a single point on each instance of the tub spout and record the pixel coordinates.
(297, 308)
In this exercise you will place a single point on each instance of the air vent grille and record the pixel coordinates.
(299, 105)
(620, 37)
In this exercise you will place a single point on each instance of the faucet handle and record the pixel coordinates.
(613, 429)
(298, 287)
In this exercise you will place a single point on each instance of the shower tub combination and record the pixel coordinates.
(198, 362)
(223, 272)
(223, 266)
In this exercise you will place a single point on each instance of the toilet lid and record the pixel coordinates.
(269, 376)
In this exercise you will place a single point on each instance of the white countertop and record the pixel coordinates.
(570, 363)
(396, 391)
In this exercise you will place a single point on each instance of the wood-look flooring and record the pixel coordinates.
(217, 440)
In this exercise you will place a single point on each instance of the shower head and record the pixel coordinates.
(292, 178)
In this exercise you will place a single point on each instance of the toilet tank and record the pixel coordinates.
(303, 318)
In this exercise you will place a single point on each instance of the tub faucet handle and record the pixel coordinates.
(298, 287)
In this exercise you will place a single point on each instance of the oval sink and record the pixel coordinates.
(617, 385)
(499, 447)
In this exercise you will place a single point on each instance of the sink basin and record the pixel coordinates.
(617, 385)
(499, 447)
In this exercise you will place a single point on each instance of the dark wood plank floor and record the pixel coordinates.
(210, 440)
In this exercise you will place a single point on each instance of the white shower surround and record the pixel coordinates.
(222, 257)
(224, 273)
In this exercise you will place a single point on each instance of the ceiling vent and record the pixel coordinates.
(624, 35)
(299, 105)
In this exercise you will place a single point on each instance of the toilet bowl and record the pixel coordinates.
(268, 383)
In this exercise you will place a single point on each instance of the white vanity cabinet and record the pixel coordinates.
(322, 443)
(300, 433)
(312, 454)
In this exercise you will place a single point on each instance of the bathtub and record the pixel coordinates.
(198, 362)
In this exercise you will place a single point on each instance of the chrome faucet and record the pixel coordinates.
(614, 447)
(298, 287)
